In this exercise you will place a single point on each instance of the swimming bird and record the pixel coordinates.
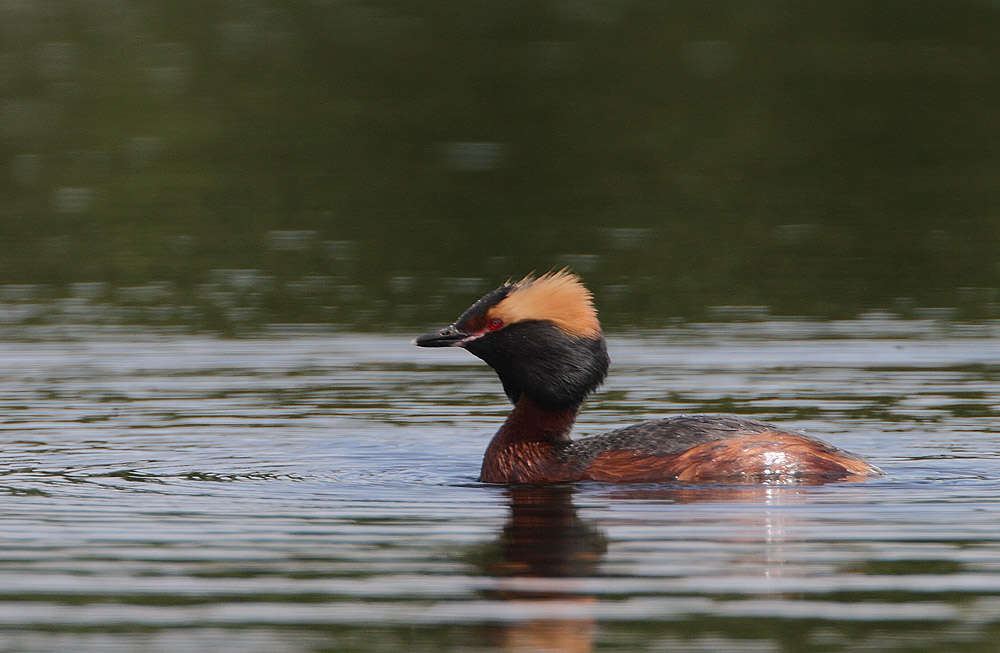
(542, 337)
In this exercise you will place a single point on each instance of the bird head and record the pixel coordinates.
(540, 334)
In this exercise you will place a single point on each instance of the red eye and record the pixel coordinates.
(494, 324)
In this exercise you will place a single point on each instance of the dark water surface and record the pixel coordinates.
(308, 492)
(226, 164)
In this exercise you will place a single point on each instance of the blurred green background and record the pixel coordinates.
(377, 165)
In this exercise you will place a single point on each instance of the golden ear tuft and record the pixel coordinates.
(558, 296)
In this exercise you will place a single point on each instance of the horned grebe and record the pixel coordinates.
(542, 337)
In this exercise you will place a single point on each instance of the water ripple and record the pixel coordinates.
(283, 494)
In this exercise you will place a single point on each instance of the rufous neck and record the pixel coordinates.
(531, 422)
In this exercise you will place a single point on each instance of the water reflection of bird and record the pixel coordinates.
(544, 340)
(545, 554)
(543, 538)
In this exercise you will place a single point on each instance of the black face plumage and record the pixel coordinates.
(469, 323)
(474, 317)
(538, 359)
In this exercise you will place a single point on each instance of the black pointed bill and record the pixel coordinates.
(446, 337)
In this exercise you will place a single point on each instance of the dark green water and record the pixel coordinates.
(314, 493)
(370, 164)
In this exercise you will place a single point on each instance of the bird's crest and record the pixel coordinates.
(558, 296)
